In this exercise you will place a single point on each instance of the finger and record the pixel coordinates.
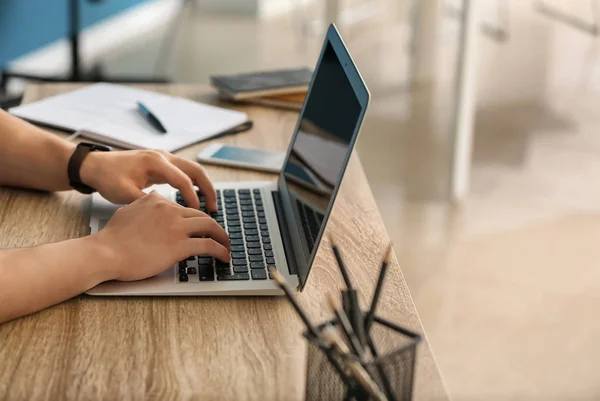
(206, 227)
(178, 179)
(188, 212)
(198, 174)
(208, 246)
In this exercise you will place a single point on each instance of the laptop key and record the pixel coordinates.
(247, 208)
(260, 209)
(255, 251)
(235, 229)
(235, 236)
(205, 259)
(240, 269)
(269, 267)
(249, 219)
(207, 277)
(259, 275)
(252, 232)
(233, 216)
(257, 265)
(248, 214)
(269, 254)
(233, 277)
(236, 241)
(246, 202)
(256, 258)
(234, 223)
(229, 192)
(238, 255)
(267, 246)
(266, 240)
(270, 261)
(264, 234)
(258, 202)
(260, 213)
(191, 270)
(183, 263)
(256, 191)
(253, 245)
(251, 238)
(262, 220)
(239, 262)
(237, 248)
(183, 278)
(250, 225)
(245, 196)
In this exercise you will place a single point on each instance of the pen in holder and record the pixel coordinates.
(358, 355)
(329, 377)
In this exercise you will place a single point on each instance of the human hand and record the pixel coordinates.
(151, 234)
(121, 176)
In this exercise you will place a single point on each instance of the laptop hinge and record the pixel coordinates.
(285, 234)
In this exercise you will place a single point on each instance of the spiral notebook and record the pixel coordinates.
(108, 113)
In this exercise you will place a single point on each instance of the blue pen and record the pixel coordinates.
(151, 118)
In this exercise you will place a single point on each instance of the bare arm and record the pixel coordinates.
(140, 241)
(31, 157)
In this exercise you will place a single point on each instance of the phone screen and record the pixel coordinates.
(250, 156)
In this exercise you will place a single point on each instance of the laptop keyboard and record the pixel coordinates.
(242, 215)
(311, 222)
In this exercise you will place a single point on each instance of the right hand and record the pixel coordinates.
(152, 234)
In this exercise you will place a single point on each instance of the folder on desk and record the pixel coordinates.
(108, 113)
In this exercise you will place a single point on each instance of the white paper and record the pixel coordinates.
(110, 112)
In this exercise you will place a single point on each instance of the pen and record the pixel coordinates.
(336, 307)
(380, 281)
(288, 292)
(330, 334)
(151, 118)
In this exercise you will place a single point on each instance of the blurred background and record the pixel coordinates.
(481, 146)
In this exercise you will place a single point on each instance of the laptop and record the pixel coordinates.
(271, 225)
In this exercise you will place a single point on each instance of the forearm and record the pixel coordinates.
(31, 157)
(35, 278)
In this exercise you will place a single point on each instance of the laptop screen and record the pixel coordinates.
(320, 150)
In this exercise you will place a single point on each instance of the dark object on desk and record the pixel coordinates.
(76, 73)
(260, 84)
(328, 377)
(151, 118)
(334, 372)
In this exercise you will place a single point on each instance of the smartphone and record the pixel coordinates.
(253, 159)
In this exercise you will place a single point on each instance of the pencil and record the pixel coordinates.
(377, 294)
(341, 264)
(290, 295)
(336, 306)
(330, 334)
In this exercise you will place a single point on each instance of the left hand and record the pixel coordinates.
(120, 176)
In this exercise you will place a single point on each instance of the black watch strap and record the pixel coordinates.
(75, 162)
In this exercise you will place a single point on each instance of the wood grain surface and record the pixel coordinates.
(188, 348)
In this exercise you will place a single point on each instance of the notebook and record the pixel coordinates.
(267, 83)
(108, 113)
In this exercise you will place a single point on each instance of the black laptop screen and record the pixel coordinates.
(321, 147)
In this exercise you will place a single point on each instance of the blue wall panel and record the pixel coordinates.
(26, 25)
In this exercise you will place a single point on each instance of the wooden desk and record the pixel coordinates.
(190, 348)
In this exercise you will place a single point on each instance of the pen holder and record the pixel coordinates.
(391, 366)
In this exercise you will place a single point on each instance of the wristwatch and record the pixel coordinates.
(81, 151)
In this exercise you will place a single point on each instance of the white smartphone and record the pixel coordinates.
(253, 159)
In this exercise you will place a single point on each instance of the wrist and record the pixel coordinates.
(105, 258)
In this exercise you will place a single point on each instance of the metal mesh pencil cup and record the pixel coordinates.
(392, 366)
